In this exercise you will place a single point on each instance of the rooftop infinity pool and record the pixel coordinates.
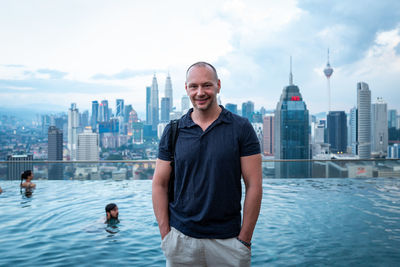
(303, 222)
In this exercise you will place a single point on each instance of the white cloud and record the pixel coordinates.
(19, 88)
(249, 41)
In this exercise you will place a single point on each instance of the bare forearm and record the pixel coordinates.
(160, 206)
(251, 210)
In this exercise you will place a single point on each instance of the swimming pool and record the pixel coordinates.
(303, 222)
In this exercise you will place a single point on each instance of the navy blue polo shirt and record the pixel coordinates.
(208, 190)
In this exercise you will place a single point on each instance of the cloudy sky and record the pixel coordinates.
(53, 53)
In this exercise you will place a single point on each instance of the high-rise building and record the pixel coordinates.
(137, 133)
(46, 122)
(354, 130)
(248, 110)
(17, 165)
(380, 131)
(120, 113)
(232, 108)
(88, 145)
(268, 134)
(168, 92)
(394, 151)
(104, 111)
(119, 108)
(337, 131)
(55, 153)
(258, 128)
(132, 119)
(84, 119)
(111, 126)
(128, 109)
(95, 115)
(55, 144)
(165, 109)
(148, 105)
(73, 125)
(392, 118)
(291, 133)
(154, 104)
(319, 132)
(364, 120)
(185, 104)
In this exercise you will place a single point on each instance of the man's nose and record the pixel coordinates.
(200, 90)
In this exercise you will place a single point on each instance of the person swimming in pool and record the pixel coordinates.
(28, 176)
(112, 214)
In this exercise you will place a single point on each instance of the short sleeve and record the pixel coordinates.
(249, 144)
(164, 147)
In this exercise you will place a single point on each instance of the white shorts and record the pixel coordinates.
(183, 250)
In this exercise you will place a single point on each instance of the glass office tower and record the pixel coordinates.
(292, 133)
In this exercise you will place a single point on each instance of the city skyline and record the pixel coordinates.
(107, 52)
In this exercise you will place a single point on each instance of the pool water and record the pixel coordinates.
(303, 222)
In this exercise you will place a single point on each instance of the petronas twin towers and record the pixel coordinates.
(153, 107)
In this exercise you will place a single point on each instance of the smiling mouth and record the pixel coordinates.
(202, 100)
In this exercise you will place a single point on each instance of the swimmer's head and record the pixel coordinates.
(112, 211)
(26, 174)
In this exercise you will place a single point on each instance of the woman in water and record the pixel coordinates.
(28, 176)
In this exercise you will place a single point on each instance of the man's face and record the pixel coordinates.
(114, 212)
(202, 87)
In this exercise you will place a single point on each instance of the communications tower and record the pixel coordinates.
(328, 73)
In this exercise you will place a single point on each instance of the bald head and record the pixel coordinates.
(203, 65)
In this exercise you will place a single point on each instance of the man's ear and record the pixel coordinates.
(108, 215)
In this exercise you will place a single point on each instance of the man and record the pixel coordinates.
(111, 214)
(202, 225)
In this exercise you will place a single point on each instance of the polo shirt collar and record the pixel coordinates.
(187, 122)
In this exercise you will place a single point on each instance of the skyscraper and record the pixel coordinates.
(154, 104)
(137, 132)
(55, 144)
(168, 92)
(165, 109)
(104, 111)
(46, 121)
(95, 115)
(379, 128)
(185, 104)
(119, 108)
(248, 110)
(84, 119)
(127, 111)
(231, 107)
(148, 105)
(55, 153)
(73, 124)
(291, 133)
(337, 131)
(268, 134)
(364, 120)
(354, 130)
(392, 118)
(88, 145)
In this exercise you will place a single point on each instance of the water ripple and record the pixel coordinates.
(303, 222)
